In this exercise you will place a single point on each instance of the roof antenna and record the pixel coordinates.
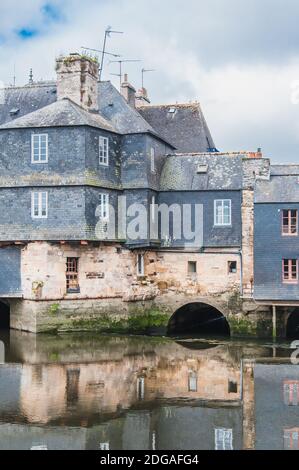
(103, 54)
(31, 77)
(143, 71)
(108, 32)
(120, 62)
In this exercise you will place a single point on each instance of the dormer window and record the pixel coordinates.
(104, 151)
(39, 148)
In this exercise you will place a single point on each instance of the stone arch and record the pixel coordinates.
(199, 317)
(292, 324)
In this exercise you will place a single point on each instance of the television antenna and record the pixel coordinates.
(108, 33)
(143, 71)
(121, 62)
(103, 54)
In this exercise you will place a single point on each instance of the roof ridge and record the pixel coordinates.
(174, 105)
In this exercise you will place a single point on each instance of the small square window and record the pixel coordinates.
(232, 267)
(192, 267)
(232, 387)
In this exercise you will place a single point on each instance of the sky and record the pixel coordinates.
(239, 58)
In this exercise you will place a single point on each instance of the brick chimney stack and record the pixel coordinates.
(77, 79)
(142, 98)
(128, 91)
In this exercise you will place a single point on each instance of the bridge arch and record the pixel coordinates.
(199, 317)
(292, 327)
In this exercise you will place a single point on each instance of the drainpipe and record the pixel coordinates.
(241, 273)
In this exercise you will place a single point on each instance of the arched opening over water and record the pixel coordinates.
(198, 319)
(4, 315)
(293, 325)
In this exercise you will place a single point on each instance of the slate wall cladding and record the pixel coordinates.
(160, 151)
(270, 247)
(10, 272)
(66, 161)
(134, 161)
(66, 214)
(212, 236)
(100, 175)
(92, 201)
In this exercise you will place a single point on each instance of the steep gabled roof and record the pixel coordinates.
(183, 125)
(60, 114)
(202, 172)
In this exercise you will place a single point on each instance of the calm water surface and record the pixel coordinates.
(87, 391)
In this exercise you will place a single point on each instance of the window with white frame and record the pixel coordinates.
(153, 164)
(153, 208)
(140, 265)
(223, 439)
(104, 151)
(39, 205)
(222, 212)
(104, 207)
(104, 446)
(39, 148)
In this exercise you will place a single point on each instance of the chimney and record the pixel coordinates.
(77, 79)
(142, 98)
(128, 91)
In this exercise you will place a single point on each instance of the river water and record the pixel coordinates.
(82, 391)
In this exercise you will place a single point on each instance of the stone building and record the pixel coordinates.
(77, 161)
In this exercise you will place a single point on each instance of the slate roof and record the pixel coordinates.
(284, 188)
(26, 99)
(183, 125)
(59, 114)
(113, 106)
(278, 170)
(180, 172)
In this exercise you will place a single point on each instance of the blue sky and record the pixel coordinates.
(240, 59)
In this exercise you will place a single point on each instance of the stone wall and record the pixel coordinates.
(113, 297)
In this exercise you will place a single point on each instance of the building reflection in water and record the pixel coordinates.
(91, 392)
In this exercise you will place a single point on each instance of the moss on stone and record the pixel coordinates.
(134, 323)
(53, 309)
(242, 326)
